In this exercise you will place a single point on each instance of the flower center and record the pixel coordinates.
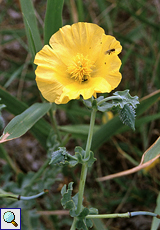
(80, 69)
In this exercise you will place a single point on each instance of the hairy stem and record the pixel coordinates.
(84, 167)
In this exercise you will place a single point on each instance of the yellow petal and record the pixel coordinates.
(78, 63)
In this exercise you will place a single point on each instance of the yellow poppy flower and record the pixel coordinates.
(81, 60)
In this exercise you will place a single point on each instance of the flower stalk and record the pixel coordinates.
(85, 167)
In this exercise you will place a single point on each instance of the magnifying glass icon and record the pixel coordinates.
(9, 217)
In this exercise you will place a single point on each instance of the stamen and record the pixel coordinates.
(81, 68)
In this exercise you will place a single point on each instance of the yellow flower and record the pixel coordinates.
(107, 116)
(81, 60)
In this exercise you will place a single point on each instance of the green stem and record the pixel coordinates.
(73, 227)
(123, 215)
(108, 99)
(115, 215)
(85, 166)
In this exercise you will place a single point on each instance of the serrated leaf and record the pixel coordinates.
(119, 100)
(127, 116)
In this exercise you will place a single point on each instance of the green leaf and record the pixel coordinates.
(67, 201)
(61, 156)
(53, 18)
(31, 27)
(156, 221)
(89, 223)
(58, 156)
(84, 213)
(20, 124)
(127, 116)
(66, 194)
(80, 224)
(1, 118)
(153, 151)
(63, 190)
(148, 157)
(125, 98)
(119, 100)
(80, 154)
(93, 211)
(115, 126)
(80, 131)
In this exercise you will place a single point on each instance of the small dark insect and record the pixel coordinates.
(85, 78)
(109, 51)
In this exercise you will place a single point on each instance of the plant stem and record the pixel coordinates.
(73, 227)
(123, 215)
(108, 99)
(84, 167)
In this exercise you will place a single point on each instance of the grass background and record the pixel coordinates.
(135, 23)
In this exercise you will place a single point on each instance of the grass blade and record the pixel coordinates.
(53, 18)
(31, 27)
(20, 124)
(40, 130)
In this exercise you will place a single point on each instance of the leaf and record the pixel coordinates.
(80, 155)
(67, 201)
(20, 124)
(127, 116)
(125, 98)
(1, 118)
(40, 130)
(156, 221)
(31, 26)
(80, 224)
(115, 126)
(61, 156)
(58, 156)
(93, 211)
(149, 156)
(53, 18)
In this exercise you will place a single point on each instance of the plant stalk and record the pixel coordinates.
(84, 167)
